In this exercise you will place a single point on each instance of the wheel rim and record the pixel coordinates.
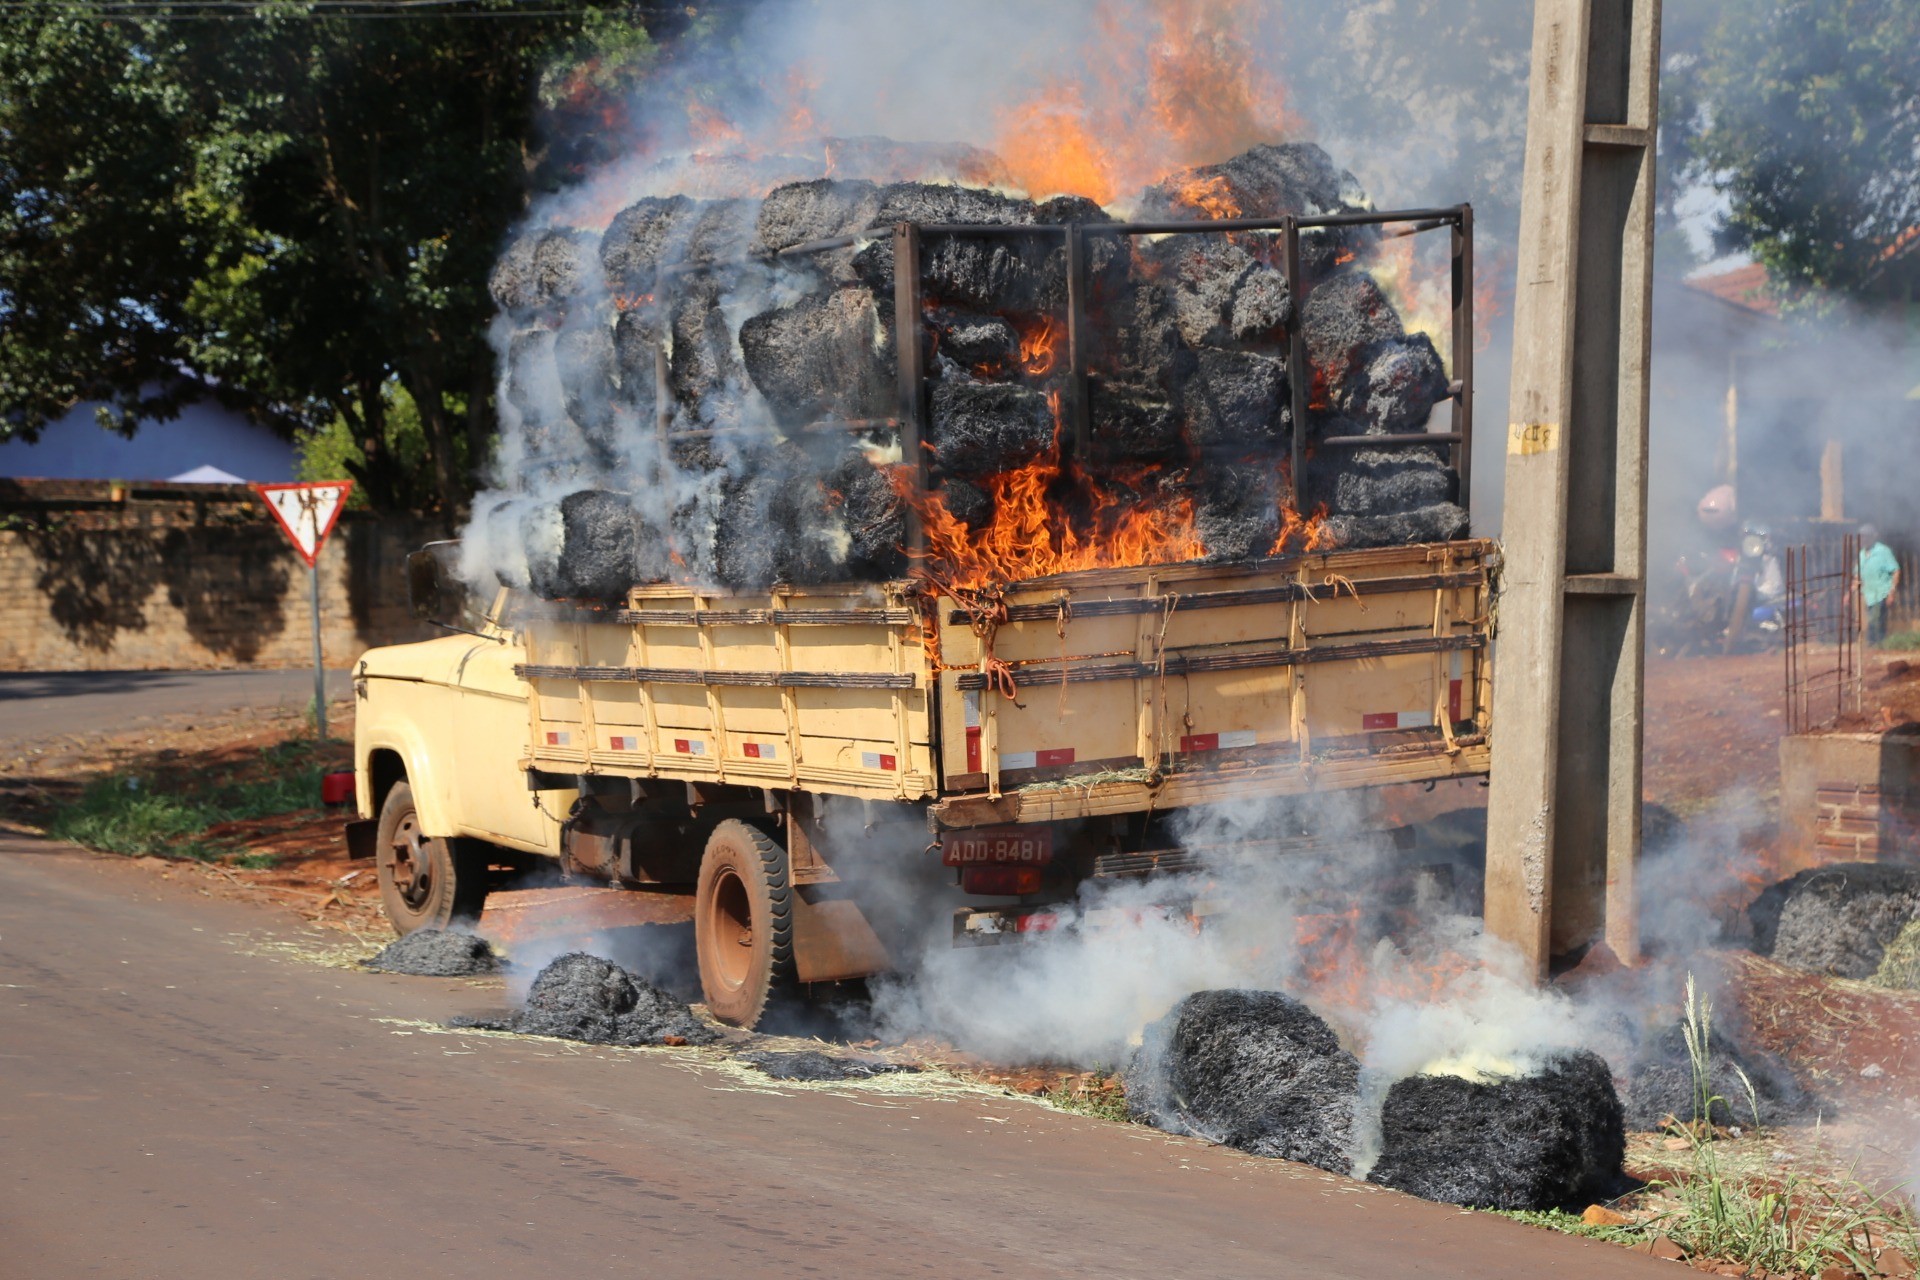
(412, 863)
(730, 925)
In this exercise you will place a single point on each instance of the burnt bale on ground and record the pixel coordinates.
(1527, 1142)
(1256, 1070)
(1660, 1084)
(813, 1065)
(822, 356)
(437, 953)
(980, 428)
(1837, 920)
(582, 997)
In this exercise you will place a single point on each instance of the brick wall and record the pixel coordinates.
(187, 576)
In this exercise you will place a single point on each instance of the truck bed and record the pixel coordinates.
(1102, 692)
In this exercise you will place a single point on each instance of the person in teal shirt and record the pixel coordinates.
(1879, 575)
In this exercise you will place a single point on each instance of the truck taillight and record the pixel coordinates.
(1000, 881)
(336, 788)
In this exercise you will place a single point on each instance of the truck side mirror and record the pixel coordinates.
(433, 589)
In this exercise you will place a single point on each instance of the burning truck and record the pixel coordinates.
(878, 523)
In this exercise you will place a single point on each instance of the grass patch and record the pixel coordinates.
(168, 816)
(1098, 1095)
(1900, 640)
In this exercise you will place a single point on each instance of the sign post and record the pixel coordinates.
(306, 513)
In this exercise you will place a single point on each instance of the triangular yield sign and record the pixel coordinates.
(306, 512)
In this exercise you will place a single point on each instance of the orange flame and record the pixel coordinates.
(1190, 92)
(1030, 536)
(1040, 347)
(1209, 195)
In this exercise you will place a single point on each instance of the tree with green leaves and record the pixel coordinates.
(1809, 123)
(290, 207)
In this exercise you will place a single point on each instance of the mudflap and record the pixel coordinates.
(362, 833)
(832, 940)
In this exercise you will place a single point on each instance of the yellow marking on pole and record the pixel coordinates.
(1527, 438)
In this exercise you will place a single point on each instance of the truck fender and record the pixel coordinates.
(431, 797)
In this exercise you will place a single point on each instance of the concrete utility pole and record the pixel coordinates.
(1563, 818)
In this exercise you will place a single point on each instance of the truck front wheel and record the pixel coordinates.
(426, 882)
(743, 923)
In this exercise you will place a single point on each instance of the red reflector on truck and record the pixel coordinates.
(336, 788)
(997, 881)
(997, 846)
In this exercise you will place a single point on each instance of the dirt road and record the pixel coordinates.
(180, 1101)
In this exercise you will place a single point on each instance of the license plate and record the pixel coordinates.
(1019, 846)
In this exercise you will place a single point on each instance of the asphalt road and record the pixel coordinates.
(42, 704)
(176, 1099)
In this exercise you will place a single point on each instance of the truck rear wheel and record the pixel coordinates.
(426, 882)
(743, 923)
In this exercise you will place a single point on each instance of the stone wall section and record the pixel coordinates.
(100, 577)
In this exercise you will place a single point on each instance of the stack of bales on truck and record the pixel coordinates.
(992, 541)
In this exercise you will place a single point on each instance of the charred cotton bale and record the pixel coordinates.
(1661, 1084)
(980, 428)
(642, 238)
(707, 376)
(437, 953)
(583, 547)
(984, 345)
(582, 997)
(1837, 920)
(1221, 293)
(1523, 1142)
(874, 516)
(1256, 1070)
(1235, 398)
(819, 210)
(968, 503)
(1237, 510)
(1132, 423)
(1266, 181)
(1393, 385)
(1344, 315)
(637, 336)
(989, 273)
(1366, 482)
(1440, 522)
(583, 359)
(541, 270)
(824, 356)
(720, 231)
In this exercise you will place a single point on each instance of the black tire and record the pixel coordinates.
(743, 924)
(426, 882)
